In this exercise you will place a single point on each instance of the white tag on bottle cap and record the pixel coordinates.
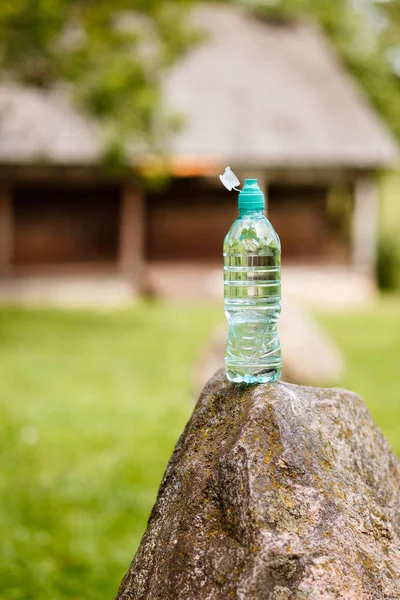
(229, 179)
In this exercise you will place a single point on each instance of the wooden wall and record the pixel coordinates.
(298, 214)
(188, 221)
(56, 224)
(98, 223)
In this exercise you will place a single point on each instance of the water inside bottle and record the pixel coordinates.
(252, 292)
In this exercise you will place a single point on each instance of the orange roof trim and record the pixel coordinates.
(180, 166)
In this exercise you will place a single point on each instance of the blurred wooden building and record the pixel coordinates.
(272, 100)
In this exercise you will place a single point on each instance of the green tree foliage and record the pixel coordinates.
(109, 55)
(366, 34)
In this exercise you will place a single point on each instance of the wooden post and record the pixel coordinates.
(132, 234)
(365, 223)
(6, 228)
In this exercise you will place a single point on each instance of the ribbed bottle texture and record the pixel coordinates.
(252, 294)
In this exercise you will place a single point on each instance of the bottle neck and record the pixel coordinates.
(250, 212)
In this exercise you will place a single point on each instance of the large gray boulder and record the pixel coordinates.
(274, 492)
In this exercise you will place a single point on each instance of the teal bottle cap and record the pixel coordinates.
(251, 196)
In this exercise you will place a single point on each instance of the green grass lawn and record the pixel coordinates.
(370, 341)
(91, 407)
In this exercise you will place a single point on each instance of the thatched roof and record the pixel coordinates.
(265, 93)
(38, 126)
(253, 93)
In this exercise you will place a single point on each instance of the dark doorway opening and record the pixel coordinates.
(65, 224)
(187, 221)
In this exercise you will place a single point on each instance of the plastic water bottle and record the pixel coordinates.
(252, 290)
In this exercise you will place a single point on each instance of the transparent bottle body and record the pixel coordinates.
(252, 296)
